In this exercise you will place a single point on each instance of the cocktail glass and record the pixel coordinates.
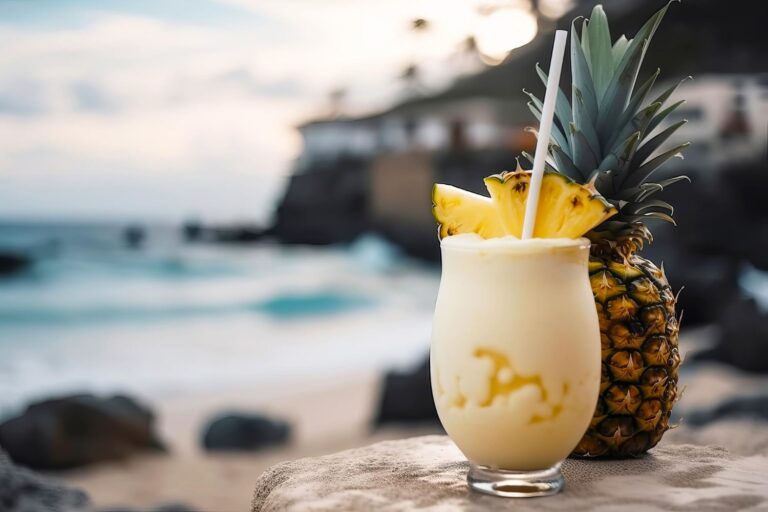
(515, 358)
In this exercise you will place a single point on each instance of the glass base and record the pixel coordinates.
(515, 484)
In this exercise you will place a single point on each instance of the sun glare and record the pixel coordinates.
(504, 30)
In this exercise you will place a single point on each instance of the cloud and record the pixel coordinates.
(139, 98)
(22, 98)
(90, 97)
(66, 186)
(245, 80)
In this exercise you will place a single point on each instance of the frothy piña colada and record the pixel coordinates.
(514, 388)
(516, 340)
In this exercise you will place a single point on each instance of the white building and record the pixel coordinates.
(727, 121)
(419, 125)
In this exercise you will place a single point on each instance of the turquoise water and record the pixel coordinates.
(86, 274)
(92, 314)
(319, 303)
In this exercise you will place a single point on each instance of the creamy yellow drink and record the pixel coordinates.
(516, 341)
(515, 349)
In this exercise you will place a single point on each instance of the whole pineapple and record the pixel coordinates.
(602, 137)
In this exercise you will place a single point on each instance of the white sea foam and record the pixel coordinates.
(267, 316)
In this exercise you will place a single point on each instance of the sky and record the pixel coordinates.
(149, 110)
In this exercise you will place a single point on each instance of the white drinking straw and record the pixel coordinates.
(545, 128)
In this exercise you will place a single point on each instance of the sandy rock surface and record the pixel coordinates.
(428, 473)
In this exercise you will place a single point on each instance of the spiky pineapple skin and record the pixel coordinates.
(640, 356)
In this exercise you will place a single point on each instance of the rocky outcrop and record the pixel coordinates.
(236, 431)
(12, 263)
(78, 430)
(407, 397)
(742, 340)
(739, 408)
(429, 473)
(21, 490)
(325, 205)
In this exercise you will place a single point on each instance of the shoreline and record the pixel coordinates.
(326, 416)
(330, 414)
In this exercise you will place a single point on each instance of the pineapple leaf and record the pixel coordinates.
(642, 217)
(583, 121)
(640, 192)
(671, 181)
(601, 180)
(623, 81)
(653, 144)
(624, 155)
(610, 162)
(585, 45)
(642, 173)
(598, 37)
(583, 156)
(536, 101)
(618, 50)
(648, 189)
(634, 103)
(582, 79)
(647, 205)
(664, 96)
(638, 125)
(547, 166)
(535, 108)
(661, 216)
(658, 118)
(564, 163)
(562, 105)
(633, 218)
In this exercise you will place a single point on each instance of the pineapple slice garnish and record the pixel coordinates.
(459, 211)
(566, 208)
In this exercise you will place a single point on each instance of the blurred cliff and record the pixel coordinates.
(374, 173)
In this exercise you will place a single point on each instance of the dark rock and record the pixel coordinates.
(230, 234)
(748, 184)
(237, 431)
(163, 507)
(750, 408)
(407, 397)
(21, 490)
(696, 276)
(173, 507)
(324, 205)
(77, 430)
(13, 263)
(236, 234)
(192, 231)
(134, 236)
(743, 340)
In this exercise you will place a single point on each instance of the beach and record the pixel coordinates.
(330, 416)
(303, 334)
(327, 416)
(334, 414)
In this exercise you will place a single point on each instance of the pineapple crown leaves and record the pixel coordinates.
(600, 136)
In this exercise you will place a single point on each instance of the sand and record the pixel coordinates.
(327, 417)
(334, 415)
